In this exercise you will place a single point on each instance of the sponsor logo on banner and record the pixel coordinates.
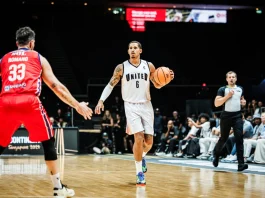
(137, 17)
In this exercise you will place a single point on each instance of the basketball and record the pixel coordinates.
(162, 75)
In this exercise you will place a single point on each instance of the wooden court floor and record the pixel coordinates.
(106, 176)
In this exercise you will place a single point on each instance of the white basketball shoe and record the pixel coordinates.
(64, 192)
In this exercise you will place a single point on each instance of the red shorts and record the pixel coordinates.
(27, 110)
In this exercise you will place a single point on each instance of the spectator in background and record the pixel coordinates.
(119, 133)
(204, 125)
(61, 123)
(171, 138)
(251, 143)
(105, 145)
(158, 125)
(207, 144)
(176, 119)
(165, 120)
(258, 109)
(184, 143)
(53, 123)
(249, 118)
(67, 117)
(259, 155)
(182, 132)
(217, 119)
(194, 117)
(258, 144)
(117, 107)
(178, 122)
(252, 107)
(59, 115)
(107, 123)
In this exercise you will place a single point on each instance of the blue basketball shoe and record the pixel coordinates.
(140, 180)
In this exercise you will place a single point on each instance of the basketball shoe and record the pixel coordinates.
(144, 167)
(63, 192)
(140, 180)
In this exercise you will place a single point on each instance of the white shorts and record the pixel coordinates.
(140, 117)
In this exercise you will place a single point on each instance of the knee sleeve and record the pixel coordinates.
(2, 149)
(49, 149)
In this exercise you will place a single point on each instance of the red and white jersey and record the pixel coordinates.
(21, 72)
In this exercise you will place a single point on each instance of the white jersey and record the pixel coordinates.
(135, 83)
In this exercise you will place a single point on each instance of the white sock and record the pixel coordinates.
(56, 180)
(138, 166)
(144, 154)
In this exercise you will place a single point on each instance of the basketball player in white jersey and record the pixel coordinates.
(135, 74)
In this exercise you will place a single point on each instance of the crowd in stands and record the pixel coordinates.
(194, 136)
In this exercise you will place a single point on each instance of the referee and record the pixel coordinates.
(231, 96)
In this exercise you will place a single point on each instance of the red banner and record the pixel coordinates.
(137, 17)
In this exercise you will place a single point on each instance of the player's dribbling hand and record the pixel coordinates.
(99, 107)
(84, 110)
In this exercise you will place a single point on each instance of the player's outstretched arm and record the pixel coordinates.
(61, 91)
(117, 74)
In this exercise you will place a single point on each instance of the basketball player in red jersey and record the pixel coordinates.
(22, 72)
(135, 75)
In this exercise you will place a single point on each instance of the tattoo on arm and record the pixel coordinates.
(116, 77)
(114, 81)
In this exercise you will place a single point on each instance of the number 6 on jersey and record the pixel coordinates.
(137, 84)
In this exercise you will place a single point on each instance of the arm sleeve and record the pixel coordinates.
(106, 92)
